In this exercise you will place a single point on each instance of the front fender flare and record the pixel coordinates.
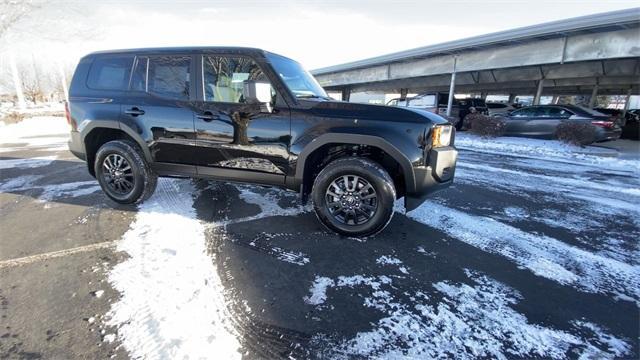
(375, 141)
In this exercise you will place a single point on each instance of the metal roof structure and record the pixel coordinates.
(615, 20)
(598, 49)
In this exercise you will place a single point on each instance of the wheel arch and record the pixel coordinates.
(97, 133)
(303, 164)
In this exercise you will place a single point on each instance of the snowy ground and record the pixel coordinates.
(533, 253)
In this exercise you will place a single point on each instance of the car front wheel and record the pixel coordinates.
(354, 197)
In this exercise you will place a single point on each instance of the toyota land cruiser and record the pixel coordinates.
(248, 115)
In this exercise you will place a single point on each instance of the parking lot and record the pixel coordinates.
(532, 253)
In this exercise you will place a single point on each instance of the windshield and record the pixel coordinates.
(298, 80)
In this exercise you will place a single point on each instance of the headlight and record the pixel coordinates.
(441, 135)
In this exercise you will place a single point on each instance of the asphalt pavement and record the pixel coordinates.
(524, 257)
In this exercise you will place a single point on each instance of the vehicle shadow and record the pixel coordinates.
(57, 181)
(270, 264)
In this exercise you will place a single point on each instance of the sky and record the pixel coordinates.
(316, 33)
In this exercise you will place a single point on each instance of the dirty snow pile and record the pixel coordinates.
(536, 148)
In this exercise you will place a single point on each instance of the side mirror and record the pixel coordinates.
(255, 92)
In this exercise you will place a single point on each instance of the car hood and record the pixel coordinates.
(374, 112)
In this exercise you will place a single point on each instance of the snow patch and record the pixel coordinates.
(549, 149)
(471, 321)
(318, 291)
(172, 303)
(26, 163)
(543, 255)
(388, 260)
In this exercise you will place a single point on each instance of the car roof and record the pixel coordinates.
(183, 49)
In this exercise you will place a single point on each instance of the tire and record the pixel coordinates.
(125, 157)
(343, 203)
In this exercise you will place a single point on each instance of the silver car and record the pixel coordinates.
(542, 121)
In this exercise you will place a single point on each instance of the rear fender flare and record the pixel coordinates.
(112, 124)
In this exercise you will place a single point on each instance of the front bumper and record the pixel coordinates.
(436, 175)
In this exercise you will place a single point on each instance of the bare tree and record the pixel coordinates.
(23, 20)
(12, 12)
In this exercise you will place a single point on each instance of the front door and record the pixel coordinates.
(161, 105)
(235, 139)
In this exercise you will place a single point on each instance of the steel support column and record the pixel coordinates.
(594, 96)
(536, 99)
(452, 87)
(627, 100)
(346, 93)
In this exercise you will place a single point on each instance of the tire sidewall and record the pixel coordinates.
(384, 190)
(124, 150)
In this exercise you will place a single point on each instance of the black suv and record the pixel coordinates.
(247, 115)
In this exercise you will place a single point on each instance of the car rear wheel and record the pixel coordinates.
(354, 197)
(123, 173)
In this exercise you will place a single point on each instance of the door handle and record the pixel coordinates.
(134, 111)
(208, 116)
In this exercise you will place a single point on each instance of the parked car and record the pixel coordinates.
(247, 115)
(427, 101)
(542, 121)
(499, 109)
(622, 117)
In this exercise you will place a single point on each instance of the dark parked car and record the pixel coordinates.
(247, 115)
(629, 122)
(499, 109)
(427, 101)
(542, 121)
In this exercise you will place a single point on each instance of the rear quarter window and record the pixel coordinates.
(110, 73)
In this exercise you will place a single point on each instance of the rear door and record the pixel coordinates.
(161, 106)
(236, 139)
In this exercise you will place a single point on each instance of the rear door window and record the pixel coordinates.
(524, 113)
(110, 73)
(165, 76)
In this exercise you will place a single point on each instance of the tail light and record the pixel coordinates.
(67, 114)
(604, 124)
